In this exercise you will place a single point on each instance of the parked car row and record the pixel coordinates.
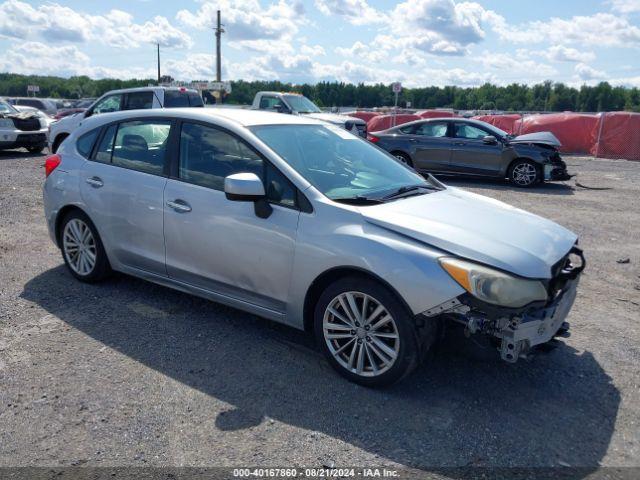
(302, 222)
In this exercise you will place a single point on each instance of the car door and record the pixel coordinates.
(122, 187)
(431, 146)
(220, 245)
(471, 154)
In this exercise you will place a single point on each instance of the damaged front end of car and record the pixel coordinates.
(515, 329)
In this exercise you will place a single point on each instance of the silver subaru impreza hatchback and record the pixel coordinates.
(304, 223)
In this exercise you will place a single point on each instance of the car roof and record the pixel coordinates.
(149, 89)
(281, 93)
(240, 116)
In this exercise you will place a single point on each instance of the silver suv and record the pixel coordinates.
(305, 223)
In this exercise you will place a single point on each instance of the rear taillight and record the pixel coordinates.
(373, 138)
(51, 163)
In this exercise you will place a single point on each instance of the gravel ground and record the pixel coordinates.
(126, 373)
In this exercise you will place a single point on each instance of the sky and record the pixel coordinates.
(416, 42)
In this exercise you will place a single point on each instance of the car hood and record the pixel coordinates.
(546, 138)
(477, 228)
(333, 118)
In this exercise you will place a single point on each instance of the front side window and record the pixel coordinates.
(269, 103)
(469, 132)
(108, 104)
(208, 155)
(337, 163)
(432, 129)
(139, 101)
(141, 145)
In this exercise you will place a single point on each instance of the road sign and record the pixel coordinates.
(33, 88)
(396, 87)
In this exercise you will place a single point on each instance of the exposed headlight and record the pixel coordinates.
(493, 286)
(6, 123)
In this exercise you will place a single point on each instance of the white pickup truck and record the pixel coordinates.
(294, 103)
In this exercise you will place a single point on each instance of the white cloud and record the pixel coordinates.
(560, 53)
(356, 12)
(56, 23)
(516, 68)
(600, 29)
(625, 6)
(370, 53)
(313, 50)
(247, 19)
(585, 72)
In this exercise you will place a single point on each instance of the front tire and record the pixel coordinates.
(82, 248)
(35, 150)
(524, 173)
(365, 332)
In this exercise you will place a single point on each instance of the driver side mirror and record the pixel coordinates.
(281, 108)
(247, 187)
(490, 140)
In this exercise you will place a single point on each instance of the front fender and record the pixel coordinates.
(409, 267)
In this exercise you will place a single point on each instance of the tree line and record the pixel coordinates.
(547, 96)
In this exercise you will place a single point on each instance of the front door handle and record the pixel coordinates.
(179, 206)
(95, 182)
(460, 144)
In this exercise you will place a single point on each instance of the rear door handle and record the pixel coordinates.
(179, 206)
(95, 182)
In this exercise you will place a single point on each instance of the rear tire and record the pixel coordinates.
(374, 349)
(82, 249)
(403, 157)
(524, 173)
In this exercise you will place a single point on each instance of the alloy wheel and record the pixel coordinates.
(402, 158)
(79, 247)
(524, 174)
(361, 334)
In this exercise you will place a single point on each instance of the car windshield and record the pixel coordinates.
(301, 104)
(6, 108)
(339, 164)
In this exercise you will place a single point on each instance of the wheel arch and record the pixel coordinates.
(60, 137)
(326, 278)
(62, 213)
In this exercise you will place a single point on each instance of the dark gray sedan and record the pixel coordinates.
(471, 147)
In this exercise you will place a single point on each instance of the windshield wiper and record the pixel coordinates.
(359, 200)
(409, 189)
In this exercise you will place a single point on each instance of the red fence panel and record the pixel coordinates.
(366, 116)
(382, 122)
(574, 130)
(505, 122)
(435, 114)
(618, 136)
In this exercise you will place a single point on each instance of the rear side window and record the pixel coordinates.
(432, 129)
(141, 146)
(85, 143)
(195, 100)
(138, 101)
(105, 149)
(182, 98)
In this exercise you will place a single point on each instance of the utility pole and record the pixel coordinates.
(219, 31)
(158, 44)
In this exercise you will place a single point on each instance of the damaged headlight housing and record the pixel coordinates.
(493, 286)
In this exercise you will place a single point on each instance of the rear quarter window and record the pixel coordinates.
(85, 143)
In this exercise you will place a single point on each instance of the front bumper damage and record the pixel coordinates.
(517, 331)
